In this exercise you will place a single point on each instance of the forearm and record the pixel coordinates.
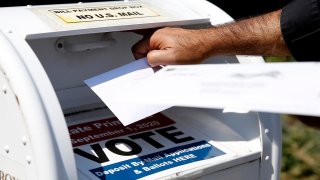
(259, 35)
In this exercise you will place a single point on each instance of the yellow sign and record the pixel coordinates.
(89, 14)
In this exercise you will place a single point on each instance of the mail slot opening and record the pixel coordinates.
(69, 60)
(79, 57)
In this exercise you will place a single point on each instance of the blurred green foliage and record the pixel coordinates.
(300, 151)
(279, 59)
(300, 145)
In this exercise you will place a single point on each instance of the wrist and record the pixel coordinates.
(208, 42)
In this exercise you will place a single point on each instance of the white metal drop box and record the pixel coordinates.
(54, 127)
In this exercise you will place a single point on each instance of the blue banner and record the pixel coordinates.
(153, 163)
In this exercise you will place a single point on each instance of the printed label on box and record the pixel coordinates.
(105, 149)
(90, 14)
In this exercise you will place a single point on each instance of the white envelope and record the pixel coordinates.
(118, 82)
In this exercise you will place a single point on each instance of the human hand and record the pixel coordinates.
(259, 35)
(172, 46)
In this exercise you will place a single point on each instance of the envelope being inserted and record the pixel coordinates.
(134, 91)
(118, 82)
(290, 88)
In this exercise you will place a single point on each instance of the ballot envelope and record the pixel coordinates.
(54, 127)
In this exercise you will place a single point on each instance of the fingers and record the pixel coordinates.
(161, 57)
(141, 48)
(167, 46)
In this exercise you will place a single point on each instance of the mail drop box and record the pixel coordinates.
(54, 127)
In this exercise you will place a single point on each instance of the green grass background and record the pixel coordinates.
(300, 146)
(300, 151)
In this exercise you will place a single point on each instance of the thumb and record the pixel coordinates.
(141, 48)
(161, 57)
